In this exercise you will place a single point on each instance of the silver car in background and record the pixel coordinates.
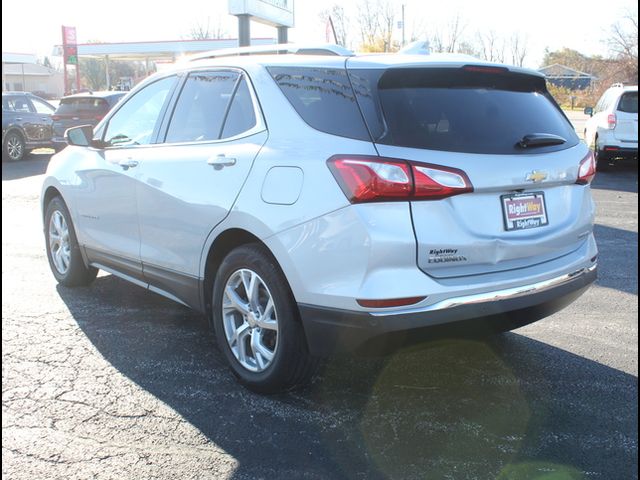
(313, 204)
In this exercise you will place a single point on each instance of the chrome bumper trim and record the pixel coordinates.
(496, 295)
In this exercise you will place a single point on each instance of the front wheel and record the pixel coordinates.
(256, 322)
(14, 148)
(63, 251)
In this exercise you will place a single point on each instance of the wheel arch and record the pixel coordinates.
(49, 193)
(223, 244)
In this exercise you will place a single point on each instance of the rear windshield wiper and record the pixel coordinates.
(540, 140)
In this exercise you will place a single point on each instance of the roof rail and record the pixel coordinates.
(275, 49)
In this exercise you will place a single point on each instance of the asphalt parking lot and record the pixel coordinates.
(112, 381)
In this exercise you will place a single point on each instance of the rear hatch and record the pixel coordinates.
(518, 150)
(75, 111)
(627, 118)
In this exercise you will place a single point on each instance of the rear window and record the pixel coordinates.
(459, 111)
(82, 105)
(628, 103)
(323, 97)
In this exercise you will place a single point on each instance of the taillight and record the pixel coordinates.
(55, 118)
(435, 182)
(370, 179)
(612, 121)
(98, 117)
(587, 170)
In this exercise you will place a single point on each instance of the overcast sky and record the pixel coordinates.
(34, 26)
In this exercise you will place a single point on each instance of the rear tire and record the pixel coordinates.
(256, 322)
(602, 158)
(63, 251)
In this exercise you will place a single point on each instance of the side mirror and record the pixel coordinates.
(588, 111)
(81, 136)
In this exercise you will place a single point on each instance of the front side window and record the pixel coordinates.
(136, 121)
(200, 111)
(16, 104)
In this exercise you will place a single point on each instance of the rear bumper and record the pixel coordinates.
(614, 151)
(330, 331)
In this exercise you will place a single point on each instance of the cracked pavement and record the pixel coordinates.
(114, 382)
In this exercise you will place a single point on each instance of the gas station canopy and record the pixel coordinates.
(160, 52)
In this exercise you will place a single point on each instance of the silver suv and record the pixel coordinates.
(312, 204)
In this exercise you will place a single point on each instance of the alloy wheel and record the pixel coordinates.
(250, 320)
(59, 244)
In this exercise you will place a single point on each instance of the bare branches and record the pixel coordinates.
(623, 43)
(340, 21)
(202, 31)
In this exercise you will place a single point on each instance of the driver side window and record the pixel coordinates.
(135, 122)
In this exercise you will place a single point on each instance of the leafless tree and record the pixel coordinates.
(375, 20)
(386, 20)
(368, 21)
(491, 46)
(623, 43)
(340, 21)
(205, 31)
(454, 33)
(519, 49)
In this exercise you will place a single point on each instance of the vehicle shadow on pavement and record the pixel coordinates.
(621, 178)
(617, 257)
(31, 165)
(509, 407)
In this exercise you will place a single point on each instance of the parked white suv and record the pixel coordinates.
(612, 130)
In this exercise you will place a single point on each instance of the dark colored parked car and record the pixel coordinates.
(26, 124)
(81, 109)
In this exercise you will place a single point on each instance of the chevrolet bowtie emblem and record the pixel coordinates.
(536, 176)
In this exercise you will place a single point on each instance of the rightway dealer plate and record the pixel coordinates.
(524, 210)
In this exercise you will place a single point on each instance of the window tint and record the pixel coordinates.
(323, 98)
(16, 104)
(200, 110)
(628, 103)
(42, 107)
(460, 111)
(134, 123)
(241, 116)
(87, 105)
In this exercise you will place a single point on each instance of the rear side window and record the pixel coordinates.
(90, 106)
(200, 110)
(241, 116)
(459, 111)
(324, 99)
(628, 103)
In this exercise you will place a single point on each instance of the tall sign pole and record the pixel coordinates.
(70, 54)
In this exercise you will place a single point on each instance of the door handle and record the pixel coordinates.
(128, 163)
(18, 119)
(220, 161)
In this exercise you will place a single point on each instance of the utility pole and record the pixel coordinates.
(403, 24)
